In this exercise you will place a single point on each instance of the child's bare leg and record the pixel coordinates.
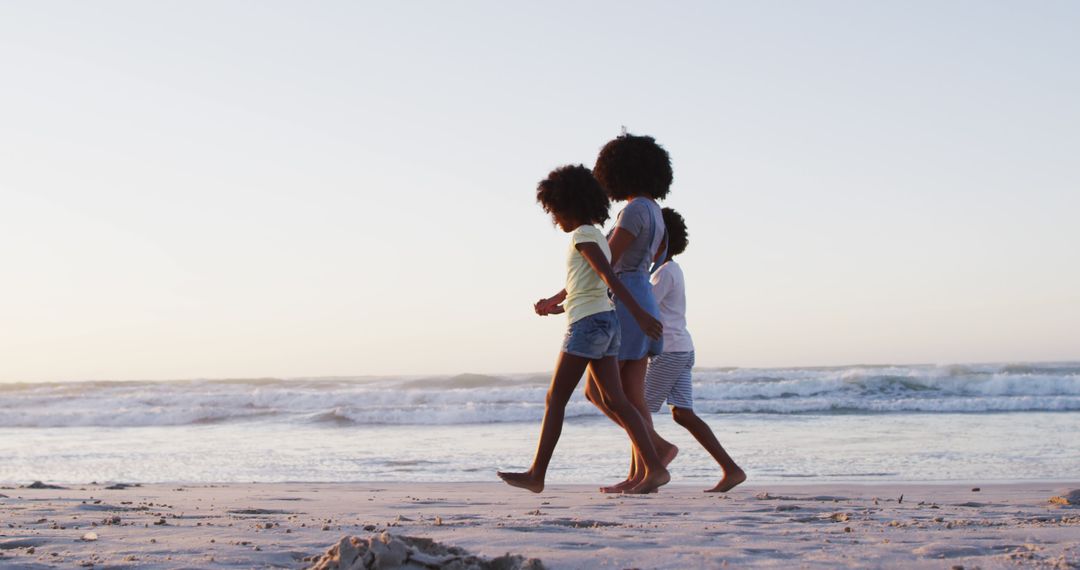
(653, 474)
(567, 374)
(733, 474)
(632, 374)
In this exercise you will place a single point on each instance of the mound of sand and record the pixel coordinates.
(1070, 499)
(386, 551)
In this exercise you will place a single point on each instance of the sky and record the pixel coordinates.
(196, 189)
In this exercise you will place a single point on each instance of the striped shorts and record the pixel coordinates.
(668, 379)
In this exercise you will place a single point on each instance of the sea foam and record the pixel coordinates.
(477, 399)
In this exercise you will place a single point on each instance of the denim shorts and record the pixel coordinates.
(594, 336)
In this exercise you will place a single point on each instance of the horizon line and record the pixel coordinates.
(497, 374)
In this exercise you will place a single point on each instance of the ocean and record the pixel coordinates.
(982, 422)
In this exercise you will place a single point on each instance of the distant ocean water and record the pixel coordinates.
(986, 421)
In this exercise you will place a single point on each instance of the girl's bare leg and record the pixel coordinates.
(651, 469)
(567, 374)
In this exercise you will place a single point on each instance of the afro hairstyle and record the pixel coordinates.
(678, 237)
(632, 165)
(572, 191)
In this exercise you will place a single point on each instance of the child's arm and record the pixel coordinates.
(550, 306)
(596, 258)
(661, 284)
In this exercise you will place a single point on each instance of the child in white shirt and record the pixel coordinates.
(669, 374)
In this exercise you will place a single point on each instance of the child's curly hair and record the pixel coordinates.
(632, 165)
(678, 237)
(572, 191)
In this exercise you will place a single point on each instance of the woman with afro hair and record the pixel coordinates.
(636, 170)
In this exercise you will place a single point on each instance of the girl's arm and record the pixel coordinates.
(550, 306)
(596, 258)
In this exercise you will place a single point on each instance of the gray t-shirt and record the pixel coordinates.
(639, 217)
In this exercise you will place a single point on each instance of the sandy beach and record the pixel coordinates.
(302, 285)
(287, 525)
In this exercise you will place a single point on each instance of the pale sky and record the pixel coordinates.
(242, 189)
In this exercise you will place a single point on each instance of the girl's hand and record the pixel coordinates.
(652, 327)
(546, 310)
(545, 307)
(548, 306)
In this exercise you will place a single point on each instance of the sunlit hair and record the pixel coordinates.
(632, 165)
(678, 237)
(572, 191)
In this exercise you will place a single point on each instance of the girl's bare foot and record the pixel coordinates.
(729, 482)
(524, 480)
(652, 481)
(621, 487)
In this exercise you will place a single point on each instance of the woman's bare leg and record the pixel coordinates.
(595, 395)
(567, 374)
(651, 471)
(632, 374)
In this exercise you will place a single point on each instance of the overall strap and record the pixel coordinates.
(653, 266)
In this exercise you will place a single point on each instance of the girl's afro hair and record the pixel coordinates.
(632, 165)
(572, 191)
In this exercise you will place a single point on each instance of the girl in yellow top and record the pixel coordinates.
(577, 203)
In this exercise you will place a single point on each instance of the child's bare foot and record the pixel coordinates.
(524, 480)
(621, 487)
(667, 455)
(729, 482)
(652, 481)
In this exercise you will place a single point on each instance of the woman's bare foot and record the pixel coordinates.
(667, 455)
(652, 481)
(729, 482)
(524, 480)
(630, 482)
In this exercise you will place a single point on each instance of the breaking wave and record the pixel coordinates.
(475, 398)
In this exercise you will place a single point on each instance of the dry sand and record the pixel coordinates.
(757, 525)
